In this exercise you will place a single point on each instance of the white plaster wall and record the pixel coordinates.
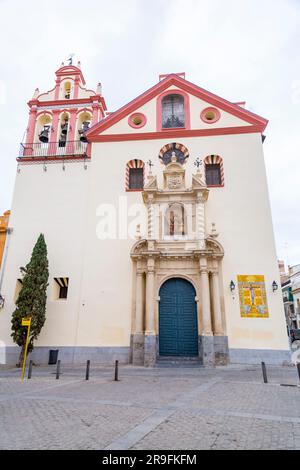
(47, 96)
(240, 210)
(85, 93)
(53, 203)
(63, 205)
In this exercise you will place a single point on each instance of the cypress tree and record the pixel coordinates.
(32, 298)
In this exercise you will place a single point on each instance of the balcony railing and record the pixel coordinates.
(53, 149)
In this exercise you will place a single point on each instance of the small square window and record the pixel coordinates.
(63, 292)
(61, 286)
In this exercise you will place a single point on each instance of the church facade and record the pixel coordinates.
(158, 226)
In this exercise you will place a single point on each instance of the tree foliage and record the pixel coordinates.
(32, 298)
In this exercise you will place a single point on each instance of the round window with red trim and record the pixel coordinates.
(137, 120)
(210, 115)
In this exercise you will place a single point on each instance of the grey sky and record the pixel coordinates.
(242, 50)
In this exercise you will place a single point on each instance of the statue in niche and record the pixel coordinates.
(174, 220)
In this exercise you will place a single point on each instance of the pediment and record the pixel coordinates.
(230, 116)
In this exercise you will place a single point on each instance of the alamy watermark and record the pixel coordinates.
(125, 220)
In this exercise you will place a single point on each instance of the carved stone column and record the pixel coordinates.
(202, 195)
(138, 335)
(150, 334)
(200, 224)
(206, 341)
(139, 302)
(205, 298)
(151, 220)
(218, 324)
(220, 339)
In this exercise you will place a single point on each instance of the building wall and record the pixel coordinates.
(67, 206)
(53, 203)
(3, 232)
(240, 210)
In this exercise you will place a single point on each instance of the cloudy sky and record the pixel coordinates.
(241, 50)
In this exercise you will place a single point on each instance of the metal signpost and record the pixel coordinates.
(25, 322)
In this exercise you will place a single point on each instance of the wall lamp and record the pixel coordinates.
(232, 286)
(274, 286)
(2, 300)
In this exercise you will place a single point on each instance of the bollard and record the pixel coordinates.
(298, 369)
(116, 371)
(264, 371)
(87, 373)
(58, 369)
(30, 370)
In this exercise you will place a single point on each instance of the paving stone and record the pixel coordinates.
(150, 408)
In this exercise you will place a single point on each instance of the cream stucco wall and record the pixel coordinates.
(66, 206)
(54, 203)
(242, 215)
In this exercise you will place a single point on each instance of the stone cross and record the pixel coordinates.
(150, 164)
(198, 163)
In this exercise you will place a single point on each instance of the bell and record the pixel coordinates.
(44, 135)
(85, 127)
(83, 138)
(62, 140)
(64, 128)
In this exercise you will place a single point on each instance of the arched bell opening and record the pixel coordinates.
(66, 90)
(43, 128)
(84, 120)
(63, 129)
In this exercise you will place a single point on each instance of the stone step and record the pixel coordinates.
(176, 361)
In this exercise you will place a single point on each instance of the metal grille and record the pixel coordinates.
(136, 178)
(213, 174)
(172, 111)
(52, 149)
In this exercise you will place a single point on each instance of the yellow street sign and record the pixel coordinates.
(25, 322)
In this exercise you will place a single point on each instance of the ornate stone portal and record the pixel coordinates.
(178, 246)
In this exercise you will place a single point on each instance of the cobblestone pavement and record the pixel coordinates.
(154, 408)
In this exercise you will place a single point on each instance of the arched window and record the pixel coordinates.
(181, 152)
(135, 175)
(214, 172)
(172, 110)
(174, 220)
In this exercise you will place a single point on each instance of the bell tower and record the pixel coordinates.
(59, 118)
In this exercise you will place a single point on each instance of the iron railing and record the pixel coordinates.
(53, 149)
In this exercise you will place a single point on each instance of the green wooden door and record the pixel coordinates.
(178, 325)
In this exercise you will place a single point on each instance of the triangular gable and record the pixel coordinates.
(253, 119)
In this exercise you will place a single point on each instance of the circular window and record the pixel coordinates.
(137, 120)
(210, 115)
